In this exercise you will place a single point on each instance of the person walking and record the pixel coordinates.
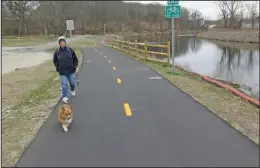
(66, 62)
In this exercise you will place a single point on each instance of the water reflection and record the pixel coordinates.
(194, 44)
(241, 66)
(217, 60)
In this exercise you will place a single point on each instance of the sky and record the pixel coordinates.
(209, 9)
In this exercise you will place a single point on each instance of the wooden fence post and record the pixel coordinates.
(128, 47)
(168, 52)
(145, 50)
(136, 47)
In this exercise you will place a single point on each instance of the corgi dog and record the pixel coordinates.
(65, 115)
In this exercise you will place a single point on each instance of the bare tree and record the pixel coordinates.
(55, 14)
(195, 18)
(84, 15)
(240, 18)
(233, 7)
(224, 11)
(184, 20)
(20, 10)
(49, 17)
(252, 10)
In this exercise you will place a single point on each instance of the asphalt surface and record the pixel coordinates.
(165, 127)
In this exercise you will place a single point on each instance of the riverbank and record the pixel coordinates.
(231, 36)
(236, 45)
(233, 109)
(31, 94)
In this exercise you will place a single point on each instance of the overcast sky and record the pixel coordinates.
(209, 9)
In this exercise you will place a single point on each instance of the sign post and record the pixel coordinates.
(172, 10)
(70, 26)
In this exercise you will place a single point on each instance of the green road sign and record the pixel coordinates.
(173, 11)
(172, 2)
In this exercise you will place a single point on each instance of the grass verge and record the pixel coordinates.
(238, 113)
(12, 41)
(32, 93)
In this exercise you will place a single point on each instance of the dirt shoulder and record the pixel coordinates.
(231, 36)
(240, 114)
(32, 94)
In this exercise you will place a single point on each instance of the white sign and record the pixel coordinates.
(70, 24)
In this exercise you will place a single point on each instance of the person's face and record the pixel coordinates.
(62, 44)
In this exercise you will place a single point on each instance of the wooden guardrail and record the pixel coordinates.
(141, 49)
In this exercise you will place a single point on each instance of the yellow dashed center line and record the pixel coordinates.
(114, 68)
(105, 56)
(119, 80)
(101, 53)
(109, 61)
(127, 110)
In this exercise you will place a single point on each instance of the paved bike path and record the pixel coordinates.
(166, 128)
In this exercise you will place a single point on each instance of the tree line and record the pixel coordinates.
(233, 13)
(49, 17)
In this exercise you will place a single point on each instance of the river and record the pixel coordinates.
(234, 62)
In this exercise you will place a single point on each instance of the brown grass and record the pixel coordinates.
(16, 84)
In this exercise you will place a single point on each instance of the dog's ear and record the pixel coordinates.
(62, 108)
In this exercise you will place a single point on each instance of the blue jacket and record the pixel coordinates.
(65, 60)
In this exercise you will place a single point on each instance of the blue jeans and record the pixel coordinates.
(71, 78)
